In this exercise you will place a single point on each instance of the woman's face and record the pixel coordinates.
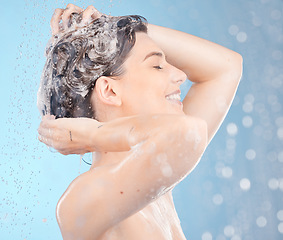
(150, 85)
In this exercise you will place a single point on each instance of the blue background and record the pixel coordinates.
(236, 192)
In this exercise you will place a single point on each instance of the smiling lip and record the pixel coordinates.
(174, 100)
(176, 92)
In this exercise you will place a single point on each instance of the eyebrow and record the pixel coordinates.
(159, 54)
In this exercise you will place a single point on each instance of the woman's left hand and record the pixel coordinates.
(67, 135)
(89, 14)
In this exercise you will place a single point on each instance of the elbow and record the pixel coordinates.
(235, 69)
(239, 65)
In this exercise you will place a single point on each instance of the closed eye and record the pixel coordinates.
(157, 67)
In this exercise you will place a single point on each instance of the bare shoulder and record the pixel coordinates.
(82, 208)
(104, 196)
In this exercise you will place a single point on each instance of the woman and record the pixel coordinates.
(145, 140)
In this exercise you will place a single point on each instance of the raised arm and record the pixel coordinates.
(214, 70)
(164, 149)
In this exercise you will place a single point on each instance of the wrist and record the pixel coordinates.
(91, 139)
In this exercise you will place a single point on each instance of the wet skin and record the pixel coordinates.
(127, 192)
(143, 89)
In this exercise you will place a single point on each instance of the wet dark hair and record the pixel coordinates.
(79, 57)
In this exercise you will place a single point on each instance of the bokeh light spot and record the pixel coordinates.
(236, 237)
(250, 154)
(276, 14)
(229, 231)
(248, 107)
(280, 133)
(261, 221)
(242, 37)
(206, 236)
(280, 215)
(227, 172)
(232, 129)
(280, 227)
(273, 183)
(247, 121)
(217, 199)
(245, 184)
(233, 30)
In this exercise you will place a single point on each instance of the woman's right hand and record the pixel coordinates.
(88, 15)
(68, 135)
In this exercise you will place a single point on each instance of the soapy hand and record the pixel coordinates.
(67, 135)
(89, 14)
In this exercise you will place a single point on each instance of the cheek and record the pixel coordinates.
(143, 91)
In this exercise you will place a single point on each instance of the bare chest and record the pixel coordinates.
(157, 221)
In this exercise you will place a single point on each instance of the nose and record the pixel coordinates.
(177, 75)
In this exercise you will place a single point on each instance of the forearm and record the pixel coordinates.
(124, 133)
(200, 59)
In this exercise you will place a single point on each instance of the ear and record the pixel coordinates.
(107, 90)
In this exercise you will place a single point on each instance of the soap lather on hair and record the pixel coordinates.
(76, 58)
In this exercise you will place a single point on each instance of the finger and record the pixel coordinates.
(45, 132)
(71, 8)
(91, 13)
(49, 117)
(46, 141)
(55, 20)
(47, 123)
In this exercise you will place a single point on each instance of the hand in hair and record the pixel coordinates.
(64, 15)
(67, 135)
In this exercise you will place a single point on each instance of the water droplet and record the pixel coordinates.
(166, 170)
